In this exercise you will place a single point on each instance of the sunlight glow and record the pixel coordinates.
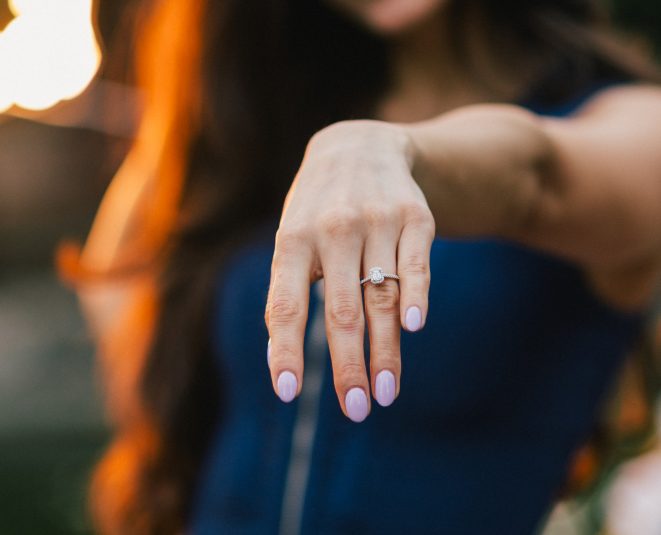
(48, 53)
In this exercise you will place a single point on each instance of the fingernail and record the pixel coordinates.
(268, 352)
(287, 386)
(385, 388)
(356, 403)
(413, 319)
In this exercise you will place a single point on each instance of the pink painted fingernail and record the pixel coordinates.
(356, 403)
(385, 388)
(268, 352)
(287, 386)
(413, 319)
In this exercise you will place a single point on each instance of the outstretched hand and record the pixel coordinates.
(352, 206)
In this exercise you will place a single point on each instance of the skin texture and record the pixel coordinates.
(377, 193)
(388, 17)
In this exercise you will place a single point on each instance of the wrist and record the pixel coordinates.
(379, 138)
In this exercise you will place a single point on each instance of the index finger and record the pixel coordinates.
(286, 313)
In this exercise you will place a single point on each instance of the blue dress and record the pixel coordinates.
(497, 391)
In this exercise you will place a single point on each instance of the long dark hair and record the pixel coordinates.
(234, 90)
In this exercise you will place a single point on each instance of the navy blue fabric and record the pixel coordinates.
(496, 393)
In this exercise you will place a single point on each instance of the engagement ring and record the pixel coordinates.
(377, 276)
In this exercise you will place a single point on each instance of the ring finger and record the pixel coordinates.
(382, 312)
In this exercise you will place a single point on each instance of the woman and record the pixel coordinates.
(495, 150)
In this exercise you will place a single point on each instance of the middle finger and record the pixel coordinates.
(345, 322)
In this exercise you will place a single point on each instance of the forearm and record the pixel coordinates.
(586, 188)
(482, 169)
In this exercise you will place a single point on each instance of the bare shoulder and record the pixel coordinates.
(624, 98)
(635, 285)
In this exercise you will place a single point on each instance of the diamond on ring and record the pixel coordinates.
(377, 276)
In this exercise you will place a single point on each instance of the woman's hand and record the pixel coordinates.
(585, 188)
(353, 205)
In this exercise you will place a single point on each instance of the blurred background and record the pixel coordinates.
(67, 117)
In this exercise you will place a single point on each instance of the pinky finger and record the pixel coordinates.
(413, 269)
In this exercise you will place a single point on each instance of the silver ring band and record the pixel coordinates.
(377, 276)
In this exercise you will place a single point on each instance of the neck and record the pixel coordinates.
(429, 76)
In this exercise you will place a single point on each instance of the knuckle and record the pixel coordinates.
(384, 299)
(413, 208)
(349, 373)
(427, 229)
(427, 226)
(284, 355)
(415, 264)
(289, 239)
(376, 215)
(284, 350)
(283, 309)
(420, 216)
(338, 223)
(345, 314)
(386, 359)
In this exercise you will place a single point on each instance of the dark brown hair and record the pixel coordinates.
(234, 91)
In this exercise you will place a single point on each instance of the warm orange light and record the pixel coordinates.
(48, 53)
